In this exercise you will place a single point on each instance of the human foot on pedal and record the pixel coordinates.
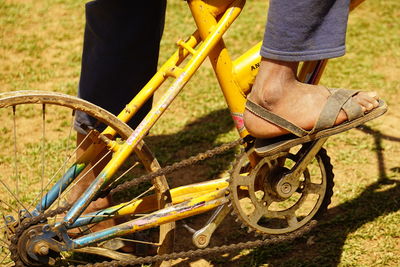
(277, 90)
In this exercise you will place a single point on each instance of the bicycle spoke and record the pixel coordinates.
(127, 171)
(5, 243)
(126, 204)
(136, 198)
(96, 215)
(5, 257)
(138, 241)
(74, 151)
(16, 199)
(68, 157)
(88, 171)
(9, 206)
(15, 152)
(58, 171)
(43, 152)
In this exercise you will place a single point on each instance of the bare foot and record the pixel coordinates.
(277, 89)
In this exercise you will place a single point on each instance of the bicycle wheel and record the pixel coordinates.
(39, 144)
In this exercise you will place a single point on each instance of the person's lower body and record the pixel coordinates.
(298, 31)
(120, 54)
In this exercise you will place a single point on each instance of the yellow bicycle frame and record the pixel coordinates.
(213, 18)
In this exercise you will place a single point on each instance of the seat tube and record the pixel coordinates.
(220, 59)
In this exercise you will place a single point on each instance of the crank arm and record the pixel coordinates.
(290, 181)
(201, 238)
(305, 157)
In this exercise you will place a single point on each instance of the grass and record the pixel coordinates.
(40, 48)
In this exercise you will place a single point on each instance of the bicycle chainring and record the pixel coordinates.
(264, 204)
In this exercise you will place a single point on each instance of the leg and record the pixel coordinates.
(120, 54)
(291, 37)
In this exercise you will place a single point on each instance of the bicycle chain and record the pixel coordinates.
(178, 165)
(26, 223)
(220, 250)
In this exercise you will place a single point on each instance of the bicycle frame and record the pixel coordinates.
(213, 18)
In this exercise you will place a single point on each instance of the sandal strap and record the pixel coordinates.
(274, 119)
(353, 110)
(338, 100)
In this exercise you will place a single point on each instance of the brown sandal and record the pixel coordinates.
(340, 99)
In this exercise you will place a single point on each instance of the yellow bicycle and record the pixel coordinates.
(278, 195)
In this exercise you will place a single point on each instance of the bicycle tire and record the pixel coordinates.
(26, 101)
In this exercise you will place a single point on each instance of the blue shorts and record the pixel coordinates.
(120, 54)
(305, 30)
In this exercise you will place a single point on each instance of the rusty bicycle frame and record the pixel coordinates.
(213, 18)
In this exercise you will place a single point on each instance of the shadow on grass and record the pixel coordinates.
(196, 137)
(378, 137)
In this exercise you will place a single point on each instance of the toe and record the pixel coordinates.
(368, 100)
(365, 104)
(373, 95)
